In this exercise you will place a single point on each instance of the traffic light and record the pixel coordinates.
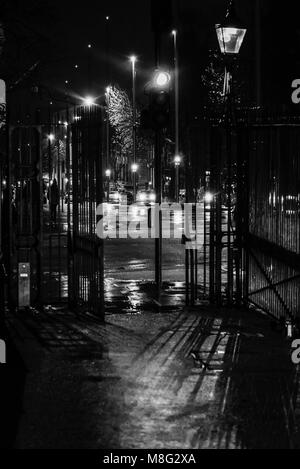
(160, 108)
(157, 115)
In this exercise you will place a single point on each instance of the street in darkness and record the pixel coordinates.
(149, 227)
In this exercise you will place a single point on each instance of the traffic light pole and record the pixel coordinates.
(158, 188)
(158, 183)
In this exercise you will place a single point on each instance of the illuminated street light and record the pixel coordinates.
(176, 83)
(107, 97)
(107, 175)
(133, 60)
(177, 160)
(230, 33)
(89, 101)
(161, 79)
(134, 168)
(208, 197)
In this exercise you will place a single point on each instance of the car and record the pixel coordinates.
(146, 197)
(114, 197)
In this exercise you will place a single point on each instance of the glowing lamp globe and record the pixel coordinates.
(230, 33)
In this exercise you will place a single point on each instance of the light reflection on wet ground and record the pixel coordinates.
(137, 297)
(243, 393)
(132, 383)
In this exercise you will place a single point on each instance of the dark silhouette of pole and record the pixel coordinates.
(158, 182)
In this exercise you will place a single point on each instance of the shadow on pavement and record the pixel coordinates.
(12, 381)
(190, 379)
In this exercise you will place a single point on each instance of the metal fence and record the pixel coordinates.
(249, 230)
(251, 227)
(272, 246)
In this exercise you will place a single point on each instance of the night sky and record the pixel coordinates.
(57, 34)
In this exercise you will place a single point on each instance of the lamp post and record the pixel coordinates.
(89, 65)
(230, 36)
(160, 114)
(133, 63)
(134, 169)
(107, 96)
(177, 162)
(107, 175)
(176, 76)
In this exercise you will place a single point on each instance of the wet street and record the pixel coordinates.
(156, 374)
(132, 382)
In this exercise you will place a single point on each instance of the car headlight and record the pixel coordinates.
(142, 197)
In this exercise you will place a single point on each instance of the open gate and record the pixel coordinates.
(249, 230)
(23, 217)
(51, 188)
(86, 281)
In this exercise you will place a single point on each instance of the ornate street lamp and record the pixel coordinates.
(230, 33)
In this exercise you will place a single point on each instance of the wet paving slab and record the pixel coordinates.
(136, 297)
(189, 378)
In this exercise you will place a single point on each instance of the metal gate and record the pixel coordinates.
(24, 218)
(251, 226)
(212, 266)
(86, 279)
(51, 188)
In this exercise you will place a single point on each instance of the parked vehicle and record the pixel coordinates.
(146, 197)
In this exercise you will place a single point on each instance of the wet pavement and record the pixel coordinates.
(155, 374)
(132, 383)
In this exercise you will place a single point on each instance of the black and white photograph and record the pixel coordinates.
(149, 227)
